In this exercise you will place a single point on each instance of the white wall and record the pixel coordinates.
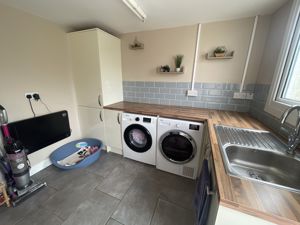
(273, 44)
(34, 57)
(162, 45)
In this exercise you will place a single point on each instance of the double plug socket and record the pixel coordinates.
(32, 95)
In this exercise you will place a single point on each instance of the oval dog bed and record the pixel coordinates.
(72, 147)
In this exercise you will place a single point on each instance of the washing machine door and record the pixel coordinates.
(138, 138)
(177, 147)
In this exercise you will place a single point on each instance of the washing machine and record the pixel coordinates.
(179, 146)
(139, 137)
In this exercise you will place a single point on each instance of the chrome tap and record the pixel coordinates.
(294, 134)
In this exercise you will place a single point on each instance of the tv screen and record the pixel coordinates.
(38, 132)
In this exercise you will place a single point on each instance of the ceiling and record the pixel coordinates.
(113, 16)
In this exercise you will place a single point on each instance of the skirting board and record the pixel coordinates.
(114, 150)
(40, 166)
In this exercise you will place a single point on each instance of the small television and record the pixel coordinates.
(38, 132)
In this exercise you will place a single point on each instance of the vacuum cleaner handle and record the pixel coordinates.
(3, 115)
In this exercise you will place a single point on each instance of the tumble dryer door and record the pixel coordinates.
(137, 138)
(177, 147)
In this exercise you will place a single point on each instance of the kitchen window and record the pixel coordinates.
(289, 88)
(285, 88)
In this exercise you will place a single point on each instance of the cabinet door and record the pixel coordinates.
(91, 122)
(84, 50)
(113, 130)
(111, 68)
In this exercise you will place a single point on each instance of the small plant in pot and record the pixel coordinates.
(165, 68)
(178, 62)
(220, 51)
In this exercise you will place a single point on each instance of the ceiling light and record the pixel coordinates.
(138, 11)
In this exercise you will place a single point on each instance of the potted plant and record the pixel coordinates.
(178, 61)
(220, 51)
(165, 68)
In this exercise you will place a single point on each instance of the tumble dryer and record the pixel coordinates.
(139, 137)
(179, 146)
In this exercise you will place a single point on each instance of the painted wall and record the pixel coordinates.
(162, 45)
(235, 35)
(216, 80)
(267, 69)
(34, 57)
(273, 45)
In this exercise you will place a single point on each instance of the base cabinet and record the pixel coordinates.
(112, 120)
(92, 122)
(227, 216)
(219, 214)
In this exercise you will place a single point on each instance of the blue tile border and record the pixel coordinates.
(257, 106)
(210, 95)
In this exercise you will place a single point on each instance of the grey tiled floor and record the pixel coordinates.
(113, 191)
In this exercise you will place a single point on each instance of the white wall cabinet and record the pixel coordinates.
(97, 73)
(113, 130)
(97, 67)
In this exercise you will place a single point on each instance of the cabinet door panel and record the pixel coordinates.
(86, 67)
(91, 122)
(113, 129)
(111, 72)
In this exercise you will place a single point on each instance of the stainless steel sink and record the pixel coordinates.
(258, 155)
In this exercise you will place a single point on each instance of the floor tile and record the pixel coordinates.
(66, 200)
(176, 189)
(10, 216)
(68, 178)
(180, 192)
(119, 180)
(49, 171)
(104, 166)
(169, 214)
(138, 205)
(95, 210)
(41, 216)
(92, 196)
(161, 177)
(113, 222)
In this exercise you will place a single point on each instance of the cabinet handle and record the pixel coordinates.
(119, 121)
(209, 192)
(99, 100)
(207, 151)
(100, 116)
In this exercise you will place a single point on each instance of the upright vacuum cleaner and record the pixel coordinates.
(15, 166)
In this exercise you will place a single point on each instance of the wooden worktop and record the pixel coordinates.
(261, 200)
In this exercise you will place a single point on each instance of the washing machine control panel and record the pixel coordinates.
(137, 119)
(146, 120)
(194, 127)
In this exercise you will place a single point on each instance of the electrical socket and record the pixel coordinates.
(192, 93)
(239, 95)
(249, 96)
(31, 94)
(243, 95)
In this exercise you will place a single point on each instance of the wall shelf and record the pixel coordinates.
(210, 56)
(171, 72)
(136, 45)
(133, 47)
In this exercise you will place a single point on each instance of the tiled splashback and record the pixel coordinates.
(210, 95)
(261, 92)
